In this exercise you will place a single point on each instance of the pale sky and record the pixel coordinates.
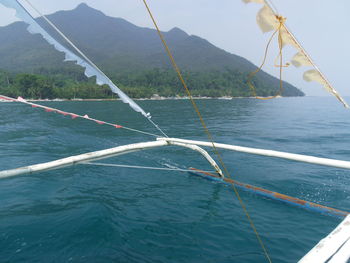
(320, 25)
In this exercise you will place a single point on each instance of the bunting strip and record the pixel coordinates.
(300, 59)
(49, 109)
(73, 115)
(90, 68)
(268, 21)
(6, 98)
(79, 58)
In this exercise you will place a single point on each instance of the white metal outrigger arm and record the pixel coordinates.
(103, 154)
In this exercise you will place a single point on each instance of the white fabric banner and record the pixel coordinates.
(90, 70)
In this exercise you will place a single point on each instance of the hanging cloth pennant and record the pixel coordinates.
(62, 112)
(314, 75)
(268, 21)
(300, 59)
(90, 68)
(287, 39)
(100, 122)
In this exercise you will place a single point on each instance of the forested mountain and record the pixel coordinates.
(132, 56)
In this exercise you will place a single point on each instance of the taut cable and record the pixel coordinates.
(210, 137)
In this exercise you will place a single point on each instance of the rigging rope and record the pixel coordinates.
(280, 56)
(148, 116)
(272, 6)
(73, 115)
(210, 137)
(141, 167)
(325, 82)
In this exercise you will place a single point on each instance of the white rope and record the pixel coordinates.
(134, 130)
(141, 167)
(158, 128)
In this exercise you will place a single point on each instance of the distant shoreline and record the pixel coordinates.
(140, 99)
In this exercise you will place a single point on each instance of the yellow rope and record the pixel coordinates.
(280, 56)
(210, 137)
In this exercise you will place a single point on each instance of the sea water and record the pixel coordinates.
(106, 214)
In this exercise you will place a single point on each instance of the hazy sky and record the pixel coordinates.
(320, 25)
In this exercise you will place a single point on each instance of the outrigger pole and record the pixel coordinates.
(334, 247)
(193, 145)
(103, 154)
(270, 153)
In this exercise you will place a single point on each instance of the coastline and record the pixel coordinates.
(140, 99)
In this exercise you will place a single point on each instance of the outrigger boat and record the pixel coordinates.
(333, 248)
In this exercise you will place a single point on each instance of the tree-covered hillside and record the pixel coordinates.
(130, 55)
(145, 84)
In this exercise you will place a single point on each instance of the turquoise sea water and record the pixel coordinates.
(104, 214)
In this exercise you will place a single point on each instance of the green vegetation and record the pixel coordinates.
(73, 84)
(132, 56)
(37, 86)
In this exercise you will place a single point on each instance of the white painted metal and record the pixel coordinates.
(343, 255)
(173, 141)
(270, 153)
(201, 151)
(72, 160)
(334, 245)
(82, 158)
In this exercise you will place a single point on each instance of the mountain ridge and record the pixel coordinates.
(119, 47)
